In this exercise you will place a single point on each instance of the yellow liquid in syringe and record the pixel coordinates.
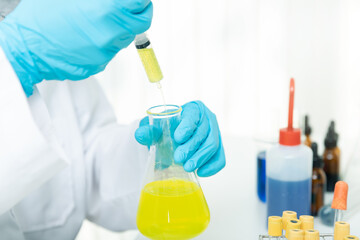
(150, 64)
(172, 209)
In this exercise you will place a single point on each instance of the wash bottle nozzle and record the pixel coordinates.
(148, 58)
(290, 136)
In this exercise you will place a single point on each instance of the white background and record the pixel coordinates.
(237, 56)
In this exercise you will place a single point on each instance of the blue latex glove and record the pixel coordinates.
(69, 39)
(198, 136)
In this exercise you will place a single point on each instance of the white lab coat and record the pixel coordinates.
(64, 159)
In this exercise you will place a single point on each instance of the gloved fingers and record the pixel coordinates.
(139, 21)
(147, 135)
(144, 121)
(133, 6)
(214, 165)
(186, 150)
(144, 135)
(190, 119)
(209, 147)
(201, 156)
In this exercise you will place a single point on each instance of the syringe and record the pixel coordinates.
(148, 58)
(149, 61)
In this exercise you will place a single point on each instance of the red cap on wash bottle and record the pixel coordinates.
(290, 136)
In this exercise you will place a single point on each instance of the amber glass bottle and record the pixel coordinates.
(307, 132)
(332, 129)
(318, 182)
(331, 159)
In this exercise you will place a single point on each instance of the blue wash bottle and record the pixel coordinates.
(289, 170)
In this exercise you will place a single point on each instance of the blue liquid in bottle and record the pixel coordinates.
(292, 196)
(261, 176)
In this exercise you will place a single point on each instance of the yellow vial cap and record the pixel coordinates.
(292, 224)
(286, 216)
(341, 230)
(351, 237)
(296, 234)
(275, 226)
(307, 222)
(150, 64)
(312, 235)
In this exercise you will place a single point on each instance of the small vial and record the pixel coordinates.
(307, 222)
(296, 234)
(312, 235)
(351, 237)
(341, 230)
(292, 224)
(274, 227)
(287, 215)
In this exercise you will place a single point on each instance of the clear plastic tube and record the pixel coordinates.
(339, 215)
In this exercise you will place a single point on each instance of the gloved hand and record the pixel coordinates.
(198, 136)
(69, 39)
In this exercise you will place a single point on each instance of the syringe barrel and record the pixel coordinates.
(148, 58)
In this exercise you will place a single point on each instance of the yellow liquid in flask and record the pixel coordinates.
(172, 209)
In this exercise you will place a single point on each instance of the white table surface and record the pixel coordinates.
(236, 212)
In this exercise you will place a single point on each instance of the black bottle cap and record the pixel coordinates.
(307, 129)
(331, 136)
(317, 160)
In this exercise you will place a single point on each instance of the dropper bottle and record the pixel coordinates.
(332, 129)
(289, 170)
(307, 131)
(339, 202)
(331, 158)
(318, 181)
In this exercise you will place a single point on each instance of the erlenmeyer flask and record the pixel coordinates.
(172, 204)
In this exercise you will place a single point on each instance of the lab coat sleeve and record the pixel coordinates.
(27, 158)
(115, 162)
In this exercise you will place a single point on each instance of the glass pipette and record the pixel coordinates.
(339, 202)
